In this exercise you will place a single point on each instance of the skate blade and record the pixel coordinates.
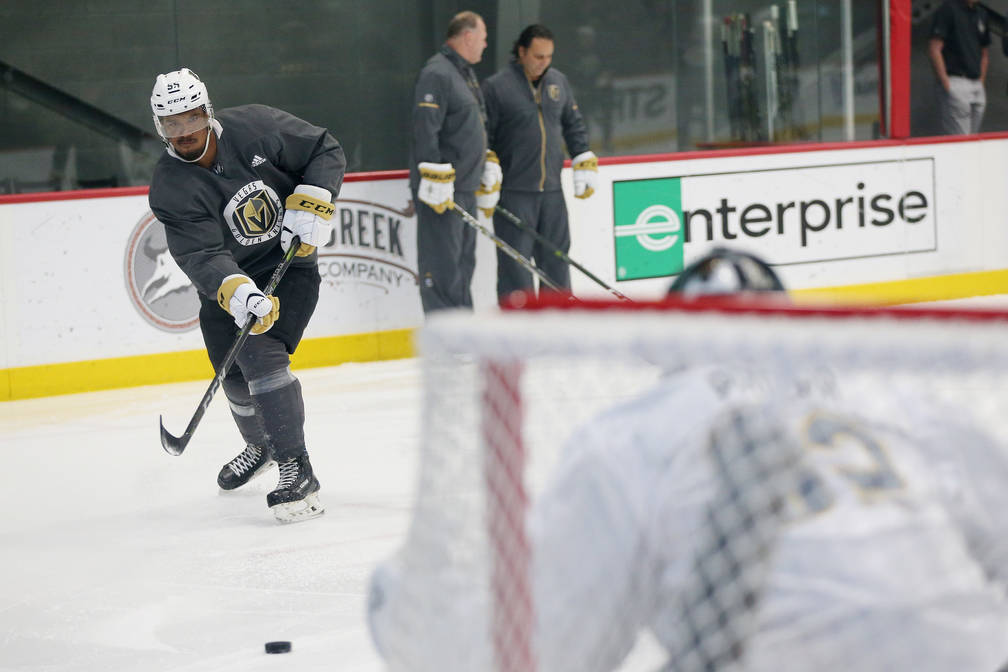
(295, 512)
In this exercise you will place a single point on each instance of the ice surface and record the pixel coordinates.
(119, 557)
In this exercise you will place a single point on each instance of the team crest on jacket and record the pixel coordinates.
(553, 91)
(253, 213)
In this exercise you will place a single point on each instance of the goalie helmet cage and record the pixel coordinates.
(503, 392)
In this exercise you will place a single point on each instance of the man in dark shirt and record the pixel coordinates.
(960, 35)
(531, 117)
(449, 160)
(232, 190)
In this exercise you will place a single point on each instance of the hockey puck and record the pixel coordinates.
(278, 647)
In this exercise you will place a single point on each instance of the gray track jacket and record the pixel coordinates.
(448, 119)
(528, 127)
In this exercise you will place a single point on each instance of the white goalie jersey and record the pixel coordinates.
(818, 529)
(884, 555)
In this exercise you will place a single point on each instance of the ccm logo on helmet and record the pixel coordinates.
(175, 100)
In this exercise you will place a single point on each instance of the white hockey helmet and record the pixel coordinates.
(723, 272)
(175, 92)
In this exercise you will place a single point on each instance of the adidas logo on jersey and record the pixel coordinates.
(257, 161)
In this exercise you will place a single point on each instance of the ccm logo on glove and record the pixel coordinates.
(326, 210)
(308, 210)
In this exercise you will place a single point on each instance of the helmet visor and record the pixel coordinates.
(184, 123)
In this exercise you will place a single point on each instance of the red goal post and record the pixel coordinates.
(503, 392)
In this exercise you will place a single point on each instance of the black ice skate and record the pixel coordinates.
(296, 495)
(247, 465)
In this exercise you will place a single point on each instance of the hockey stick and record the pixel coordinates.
(513, 218)
(508, 250)
(174, 445)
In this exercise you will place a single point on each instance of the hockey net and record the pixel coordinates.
(505, 395)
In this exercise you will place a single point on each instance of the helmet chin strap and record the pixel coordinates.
(206, 146)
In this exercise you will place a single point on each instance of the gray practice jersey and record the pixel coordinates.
(528, 127)
(448, 119)
(227, 220)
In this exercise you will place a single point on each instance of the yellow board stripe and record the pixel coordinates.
(915, 290)
(27, 382)
(67, 378)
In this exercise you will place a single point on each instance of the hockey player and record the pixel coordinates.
(789, 522)
(232, 190)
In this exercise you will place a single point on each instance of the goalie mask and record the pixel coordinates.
(726, 272)
(181, 106)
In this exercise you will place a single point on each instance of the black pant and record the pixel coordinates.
(546, 213)
(278, 420)
(446, 254)
(267, 353)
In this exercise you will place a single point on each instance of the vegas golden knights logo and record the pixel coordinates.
(256, 215)
(253, 213)
(553, 91)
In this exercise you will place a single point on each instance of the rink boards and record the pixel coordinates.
(91, 299)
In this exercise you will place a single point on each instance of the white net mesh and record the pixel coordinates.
(679, 488)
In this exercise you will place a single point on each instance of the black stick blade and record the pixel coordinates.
(173, 445)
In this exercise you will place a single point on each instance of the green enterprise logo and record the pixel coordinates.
(647, 225)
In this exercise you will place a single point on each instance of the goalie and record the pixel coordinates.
(793, 522)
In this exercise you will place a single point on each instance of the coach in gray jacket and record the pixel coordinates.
(448, 150)
(531, 115)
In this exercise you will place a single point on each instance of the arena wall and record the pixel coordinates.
(91, 299)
